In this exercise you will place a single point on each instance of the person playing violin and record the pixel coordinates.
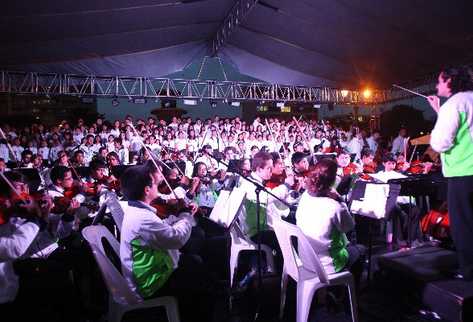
(367, 161)
(345, 166)
(204, 189)
(62, 159)
(154, 243)
(402, 165)
(346, 172)
(284, 185)
(66, 199)
(97, 181)
(26, 238)
(326, 228)
(207, 158)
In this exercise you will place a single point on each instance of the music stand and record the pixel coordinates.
(227, 206)
(362, 205)
(118, 170)
(234, 166)
(83, 172)
(32, 177)
(320, 156)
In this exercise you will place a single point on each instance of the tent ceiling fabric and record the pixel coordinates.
(305, 42)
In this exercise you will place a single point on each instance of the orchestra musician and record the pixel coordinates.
(23, 236)
(204, 189)
(154, 244)
(67, 197)
(326, 227)
(207, 158)
(398, 228)
(367, 161)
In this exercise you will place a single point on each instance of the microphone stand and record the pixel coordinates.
(258, 190)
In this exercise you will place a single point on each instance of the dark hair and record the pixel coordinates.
(196, 168)
(366, 152)
(461, 78)
(260, 159)
(389, 157)
(78, 152)
(25, 153)
(134, 180)
(297, 157)
(58, 172)
(276, 156)
(97, 164)
(115, 155)
(323, 176)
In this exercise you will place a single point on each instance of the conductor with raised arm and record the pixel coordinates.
(452, 136)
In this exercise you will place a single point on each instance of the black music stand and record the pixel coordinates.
(118, 170)
(234, 166)
(358, 193)
(32, 177)
(83, 172)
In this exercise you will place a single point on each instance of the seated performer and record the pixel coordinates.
(397, 229)
(325, 219)
(42, 266)
(205, 191)
(149, 249)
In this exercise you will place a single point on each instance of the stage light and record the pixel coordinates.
(367, 93)
(190, 102)
(235, 104)
(213, 104)
(344, 92)
(280, 104)
(139, 100)
(316, 105)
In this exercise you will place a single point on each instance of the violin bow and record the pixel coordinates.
(152, 159)
(12, 187)
(201, 143)
(173, 162)
(274, 139)
(311, 149)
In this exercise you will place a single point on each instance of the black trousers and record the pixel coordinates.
(195, 288)
(356, 260)
(460, 209)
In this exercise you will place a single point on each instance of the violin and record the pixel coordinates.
(276, 180)
(92, 188)
(370, 167)
(19, 206)
(419, 167)
(351, 169)
(169, 207)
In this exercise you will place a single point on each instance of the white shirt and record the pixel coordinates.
(16, 236)
(4, 152)
(398, 145)
(324, 221)
(141, 225)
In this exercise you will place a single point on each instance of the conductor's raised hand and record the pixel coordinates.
(434, 101)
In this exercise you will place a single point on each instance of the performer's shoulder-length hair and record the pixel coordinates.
(461, 78)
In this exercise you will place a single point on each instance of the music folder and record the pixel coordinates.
(374, 200)
(227, 206)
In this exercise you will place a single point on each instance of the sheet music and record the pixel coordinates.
(226, 207)
(373, 203)
(384, 176)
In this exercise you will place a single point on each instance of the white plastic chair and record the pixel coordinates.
(121, 298)
(304, 266)
(239, 244)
